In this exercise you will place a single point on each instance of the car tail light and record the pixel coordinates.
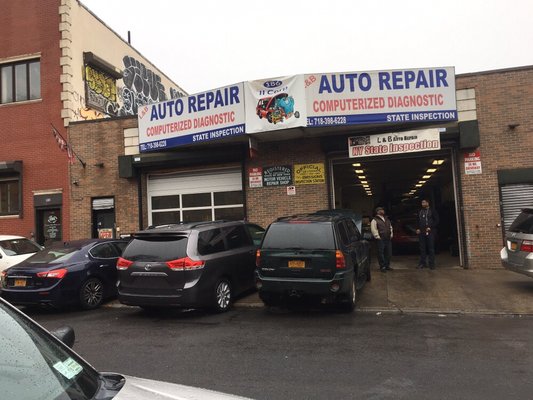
(55, 273)
(185, 264)
(258, 258)
(123, 264)
(340, 262)
(527, 246)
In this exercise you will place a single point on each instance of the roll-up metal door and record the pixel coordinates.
(514, 198)
(103, 204)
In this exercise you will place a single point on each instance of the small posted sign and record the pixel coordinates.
(473, 163)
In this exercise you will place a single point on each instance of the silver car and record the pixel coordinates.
(517, 255)
(37, 365)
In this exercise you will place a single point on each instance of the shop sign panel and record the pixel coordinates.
(275, 103)
(394, 143)
(202, 117)
(255, 177)
(473, 163)
(381, 97)
(309, 174)
(277, 176)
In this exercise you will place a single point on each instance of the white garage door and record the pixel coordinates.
(199, 196)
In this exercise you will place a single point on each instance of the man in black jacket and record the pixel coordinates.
(382, 231)
(428, 219)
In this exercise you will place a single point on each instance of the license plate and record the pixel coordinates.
(514, 245)
(20, 282)
(296, 264)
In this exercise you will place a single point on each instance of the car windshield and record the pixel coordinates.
(34, 366)
(53, 255)
(308, 236)
(523, 223)
(17, 247)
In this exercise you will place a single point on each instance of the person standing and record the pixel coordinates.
(428, 219)
(381, 229)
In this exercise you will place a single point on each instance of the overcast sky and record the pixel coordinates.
(205, 44)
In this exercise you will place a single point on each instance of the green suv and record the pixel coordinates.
(318, 256)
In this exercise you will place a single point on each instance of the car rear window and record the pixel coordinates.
(156, 249)
(308, 236)
(523, 223)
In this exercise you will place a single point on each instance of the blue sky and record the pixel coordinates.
(204, 44)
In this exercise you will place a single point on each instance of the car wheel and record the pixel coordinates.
(348, 305)
(269, 117)
(368, 273)
(91, 293)
(297, 114)
(222, 294)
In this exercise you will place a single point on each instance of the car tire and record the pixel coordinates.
(368, 273)
(222, 296)
(297, 114)
(348, 305)
(91, 294)
(269, 117)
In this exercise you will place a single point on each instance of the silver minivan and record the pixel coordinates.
(517, 255)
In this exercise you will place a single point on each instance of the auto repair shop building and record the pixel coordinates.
(468, 149)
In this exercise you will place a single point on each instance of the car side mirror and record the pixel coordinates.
(65, 334)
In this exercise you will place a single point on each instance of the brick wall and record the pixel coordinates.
(30, 28)
(502, 97)
(266, 204)
(101, 142)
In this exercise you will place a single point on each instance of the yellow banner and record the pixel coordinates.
(309, 174)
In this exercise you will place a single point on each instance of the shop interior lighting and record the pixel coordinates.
(366, 186)
(426, 177)
(418, 185)
(431, 170)
(421, 182)
(438, 162)
(362, 177)
(364, 182)
(359, 171)
(356, 165)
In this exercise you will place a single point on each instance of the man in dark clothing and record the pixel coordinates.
(381, 228)
(428, 219)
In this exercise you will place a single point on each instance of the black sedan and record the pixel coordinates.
(81, 272)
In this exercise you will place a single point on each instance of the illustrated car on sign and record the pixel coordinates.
(39, 365)
(277, 108)
(15, 249)
(81, 272)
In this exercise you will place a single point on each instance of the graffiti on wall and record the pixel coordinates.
(101, 91)
(104, 97)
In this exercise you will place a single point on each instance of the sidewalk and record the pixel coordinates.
(442, 291)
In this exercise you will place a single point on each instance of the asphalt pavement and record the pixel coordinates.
(311, 353)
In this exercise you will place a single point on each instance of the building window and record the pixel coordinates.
(9, 196)
(20, 81)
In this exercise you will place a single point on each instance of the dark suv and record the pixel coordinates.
(321, 256)
(189, 265)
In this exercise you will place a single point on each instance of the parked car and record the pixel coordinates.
(189, 265)
(517, 255)
(15, 249)
(37, 364)
(405, 239)
(81, 272)
(320, 256)
(356, 218)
